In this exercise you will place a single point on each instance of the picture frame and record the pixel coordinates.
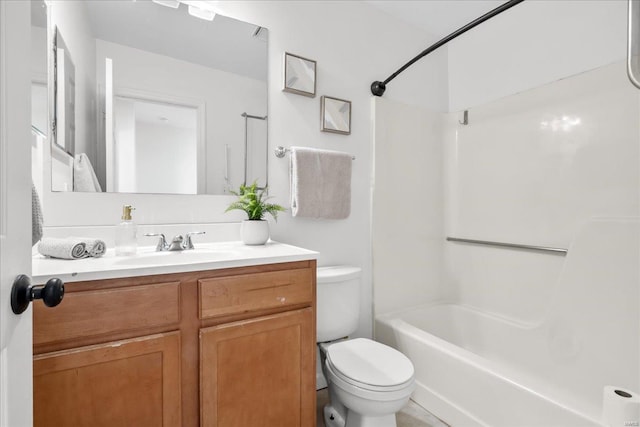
(335, 115)
(299, 75)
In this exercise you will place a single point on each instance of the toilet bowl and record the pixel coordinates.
(368, 381)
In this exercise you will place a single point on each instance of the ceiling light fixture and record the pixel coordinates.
(173, 4)
(201, 13)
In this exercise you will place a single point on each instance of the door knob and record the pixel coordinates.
(23, 292)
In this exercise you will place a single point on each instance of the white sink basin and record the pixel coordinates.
(193, 256)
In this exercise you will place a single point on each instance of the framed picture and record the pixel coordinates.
(299, 75)
(335, 115)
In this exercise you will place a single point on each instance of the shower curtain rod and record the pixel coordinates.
(378, 87)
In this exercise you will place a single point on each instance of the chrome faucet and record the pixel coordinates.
(188, 244)
(178, 243)
(162, 243)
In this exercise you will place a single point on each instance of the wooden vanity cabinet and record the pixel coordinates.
(134, 382)
(229, 348)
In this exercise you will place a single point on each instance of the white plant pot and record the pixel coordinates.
(254, 232)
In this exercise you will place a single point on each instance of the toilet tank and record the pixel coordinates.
(338, 302)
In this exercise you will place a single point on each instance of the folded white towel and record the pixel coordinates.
(320, 183)
(84, 177)
(96, 248)
(71, 247)
(36, 216)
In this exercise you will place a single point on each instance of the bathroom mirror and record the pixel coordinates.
(156, 97)
(335, 115)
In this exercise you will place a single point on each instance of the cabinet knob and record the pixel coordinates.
(23, 292)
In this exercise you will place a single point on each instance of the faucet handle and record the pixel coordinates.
(188, 244)
(162, 243)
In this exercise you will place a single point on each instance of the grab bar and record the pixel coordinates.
(558, 251)
(633, 50)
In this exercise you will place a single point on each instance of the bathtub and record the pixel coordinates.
(465, 374)
(479, 366)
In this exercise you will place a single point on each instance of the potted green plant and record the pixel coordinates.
(253, 201)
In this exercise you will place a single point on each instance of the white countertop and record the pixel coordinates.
(206, 256)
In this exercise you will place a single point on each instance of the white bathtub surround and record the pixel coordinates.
(547, 332)
(533, 168)
(477, 368)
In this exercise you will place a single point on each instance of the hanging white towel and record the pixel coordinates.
(320, 183)
(84, 177)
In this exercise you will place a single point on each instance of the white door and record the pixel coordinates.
(15, 212)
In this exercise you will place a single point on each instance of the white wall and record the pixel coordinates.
(346, 39)
(534, 43)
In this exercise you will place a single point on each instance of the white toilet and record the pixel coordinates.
(368, 381)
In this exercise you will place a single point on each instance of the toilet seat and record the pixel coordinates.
(370, 365)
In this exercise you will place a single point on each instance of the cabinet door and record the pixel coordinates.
(134, 382)
(259, 372)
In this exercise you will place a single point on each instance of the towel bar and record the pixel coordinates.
(280, 152)
(558, 251)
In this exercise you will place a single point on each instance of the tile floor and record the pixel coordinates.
(412, 415)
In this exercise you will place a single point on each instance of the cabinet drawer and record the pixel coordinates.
(250, 292)
(98, 312)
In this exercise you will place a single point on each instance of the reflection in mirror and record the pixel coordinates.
(39, 98)
(164, 132)
(255, 132)
(65, 95)
(150, 99)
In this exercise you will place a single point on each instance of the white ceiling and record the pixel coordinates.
(437, 17)
(224, 43)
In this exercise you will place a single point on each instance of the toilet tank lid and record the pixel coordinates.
(337, 273)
